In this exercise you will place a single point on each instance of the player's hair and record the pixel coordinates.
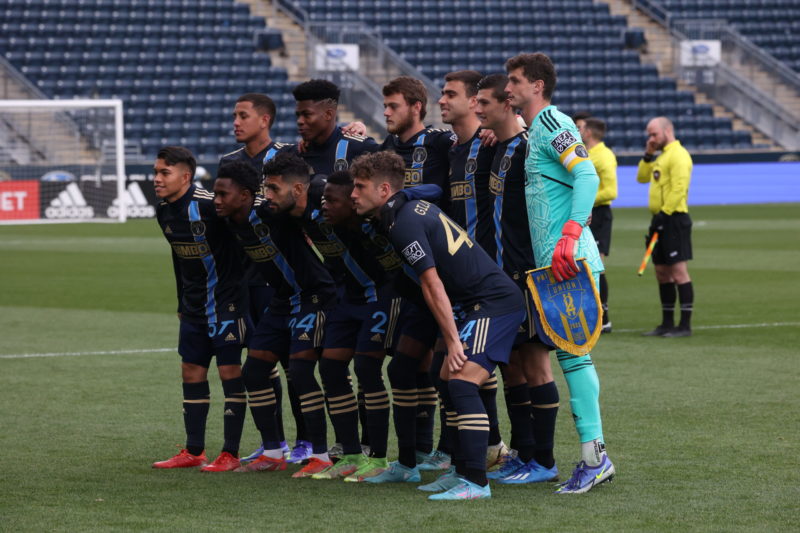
(469, 78)
(412, 89)
(342, 177)
(596, 126)
(289, 166)
(172, 155)
(241, 173)
(317, 91)
(380, 166)
(262, 103)
(580, 115)
(497, 83)
(535, 67)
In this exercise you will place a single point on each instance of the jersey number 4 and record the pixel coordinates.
(456, 236)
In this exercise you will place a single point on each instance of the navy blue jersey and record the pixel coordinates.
(277, 249)
(208, 272)
(337, 152)
(425, 155)
(258, 160)
(510, 241)
(469, 205)
(427, 238)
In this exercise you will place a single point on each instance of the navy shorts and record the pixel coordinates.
(489, 340)
(364, 328)
(417, 323)
(289, 334)
(527, 330)
(199, 342)
(260, 296)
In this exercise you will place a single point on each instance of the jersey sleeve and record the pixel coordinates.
(409, 238)
(680, 172)
(443, 141)
(645, 171)
(606, 167)
(566, 147)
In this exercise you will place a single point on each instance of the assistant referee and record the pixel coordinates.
(669, 174)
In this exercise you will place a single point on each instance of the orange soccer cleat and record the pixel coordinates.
(264, 464)
(314, 466)
(224, 463)
(183, 460)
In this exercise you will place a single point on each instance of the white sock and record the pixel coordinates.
(592, 452)
(322, 456)
(277, 453)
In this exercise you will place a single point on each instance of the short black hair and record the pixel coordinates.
(261, 103)
(172, 155)
(497, 83)
(317, 91)
(342, 177)
(241, 173)
(469, 78)
(596, 126)
(288, 165)
(580, 115)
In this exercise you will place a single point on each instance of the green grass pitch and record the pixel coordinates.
(703, 430)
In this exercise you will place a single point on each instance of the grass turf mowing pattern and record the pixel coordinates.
(702, 430)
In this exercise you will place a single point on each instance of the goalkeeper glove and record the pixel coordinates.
(563, 264)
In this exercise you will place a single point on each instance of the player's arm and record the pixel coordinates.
(176, 267)
(439, 303)
(680, 172)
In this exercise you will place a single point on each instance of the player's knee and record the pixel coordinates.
(402, 371)
(332, 371)
(368, 371)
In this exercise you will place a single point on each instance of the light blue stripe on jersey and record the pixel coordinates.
(471, 204)
(280, 262)
(341, 149)
(270, 154)
(209, 264)
(418, 165)
(498, 201)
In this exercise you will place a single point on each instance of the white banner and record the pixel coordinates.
(696, 53)
(336, 57)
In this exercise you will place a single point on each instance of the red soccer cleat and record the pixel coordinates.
(183, 460)
(263, 464)
(314, 466)
(224, 463)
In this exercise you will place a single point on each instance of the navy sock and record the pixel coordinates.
(604, 296)
(473, 428)
(362, 414)
(342, 406)
(666, 292)
(402, 372)
(196, 399)
(444, 434)
(686, 295)
(451, 427)
(277, 386)
(312, 402)
(519, 413)
(376, 402)
(488, 394)
(234, 412)
(544, 406)
(426, 411)
(255, 374)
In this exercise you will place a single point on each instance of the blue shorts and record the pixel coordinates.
(527, 330)
(489, 340)
(260, 296)
(364, 328)
(199, 342)
(417, 323)
(289, 334)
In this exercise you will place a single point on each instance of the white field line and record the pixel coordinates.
(730, 326)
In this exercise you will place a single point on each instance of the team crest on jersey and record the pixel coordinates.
(340, 165)
(261, 230)
(420, 154)
(505, 163)
(472, 166)
(568, 313)
(656, 174)
(198, 228)
(413, 252)
(563, 141)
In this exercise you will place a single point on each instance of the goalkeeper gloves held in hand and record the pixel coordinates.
(563, 264)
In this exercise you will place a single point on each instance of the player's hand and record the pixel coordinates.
(659, 220)
(455, 357)
(650, 148)
(487, 137)
(355, 128)
(564, 265)
(301, 146)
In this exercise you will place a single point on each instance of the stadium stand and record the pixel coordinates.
(178, 65)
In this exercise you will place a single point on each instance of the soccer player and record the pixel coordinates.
(452, 271)
(561, 184)
(326, 148)
(531, 394)
(210, 307)
(291, 327)
(669, 174)
(593, 130)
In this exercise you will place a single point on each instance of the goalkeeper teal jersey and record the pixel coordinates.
(560, 185)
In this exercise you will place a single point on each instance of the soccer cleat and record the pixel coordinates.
(530, 472)
(465, 490)
(511, 463)
(443, 483)
(335, 452)
(606, 328)
(285, 448)
(302, 450)
(343, 467)
(314, 466)
(678, 332)
(437, 460)
(183, 460)
(264, 464)
(371, 468)
(658, 332)
(396, 473)
(366, 450)
(255, 455)
(224, 463)
(585, 478)
(494, 456)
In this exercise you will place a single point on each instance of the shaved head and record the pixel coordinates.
(662, 123)
(660, 132)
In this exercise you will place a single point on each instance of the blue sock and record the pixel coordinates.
(256, 377)
(584, 394)
(196, 399)
(473, 428)
(234, 412)
(544, 406)
(488, 393)
(342, 405)
(519, 414)
(312, 402)
(402, 372)
(426, 411)
(376, 402)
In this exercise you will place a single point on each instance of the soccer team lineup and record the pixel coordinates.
(400, 285)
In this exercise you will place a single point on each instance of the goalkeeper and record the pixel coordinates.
(561, 184)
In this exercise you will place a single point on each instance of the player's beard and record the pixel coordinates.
(398, 128)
